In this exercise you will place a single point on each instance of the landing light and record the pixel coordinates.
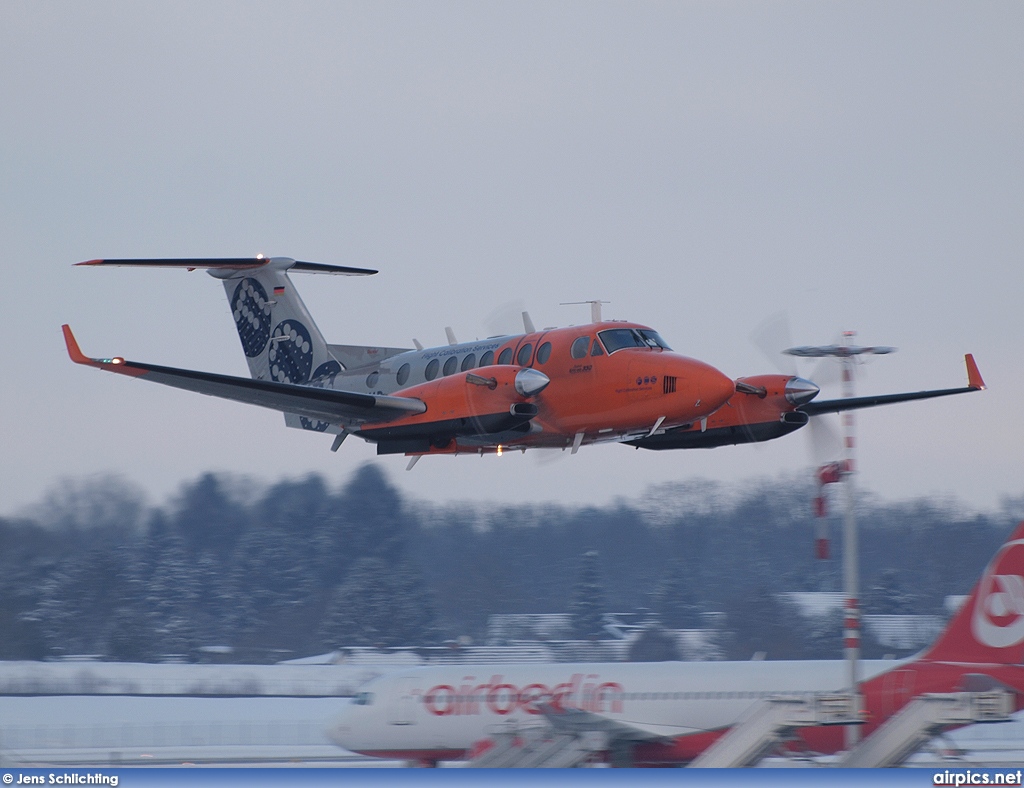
(499, 449)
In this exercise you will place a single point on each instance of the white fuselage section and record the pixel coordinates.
(446, 709)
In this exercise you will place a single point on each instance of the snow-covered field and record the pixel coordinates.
(137, 730)
(111, 731)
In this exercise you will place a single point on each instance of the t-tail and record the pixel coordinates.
(989, 627)
(279, 338)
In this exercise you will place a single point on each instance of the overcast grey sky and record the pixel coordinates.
(701, 165)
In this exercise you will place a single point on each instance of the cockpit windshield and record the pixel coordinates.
(363, 699)
(619, 338)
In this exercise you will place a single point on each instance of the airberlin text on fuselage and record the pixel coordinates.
(587, 693)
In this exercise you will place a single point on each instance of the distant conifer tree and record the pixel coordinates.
(380, 604)
(587, 603)
(675, 599)
(654, 645)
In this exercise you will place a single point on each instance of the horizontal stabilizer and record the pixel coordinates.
(232, 264)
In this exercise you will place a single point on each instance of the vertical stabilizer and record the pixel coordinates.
(989, 627)
(280, 340)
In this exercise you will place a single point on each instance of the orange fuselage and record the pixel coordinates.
(596, 393)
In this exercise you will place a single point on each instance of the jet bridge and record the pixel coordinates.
(923, 718)
(572, 742)
(770, 721)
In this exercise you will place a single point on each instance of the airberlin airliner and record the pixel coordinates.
(607, 381)
(670, 712)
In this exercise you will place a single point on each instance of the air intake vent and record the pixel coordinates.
(669, 382)
(527, 409)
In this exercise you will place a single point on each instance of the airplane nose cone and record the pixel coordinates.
(530, 382)
(715, 388)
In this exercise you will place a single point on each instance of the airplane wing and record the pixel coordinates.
(578, 721)
(345, 407)
(974, 383)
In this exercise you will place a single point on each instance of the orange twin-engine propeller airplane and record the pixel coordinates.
(608, 381)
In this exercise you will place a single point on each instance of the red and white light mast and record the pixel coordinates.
(848, 355)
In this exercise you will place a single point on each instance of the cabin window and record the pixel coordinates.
(506, 356)
(652, 338)
(431, 371)
(579, 347)
(487, 359)
(371, 379)
(523, 357)
(450, 365)
(403, 374)
(619, 338)
(469, 362)
(544, 353)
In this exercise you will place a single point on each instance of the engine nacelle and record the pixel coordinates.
(764, 407)
(483, 401)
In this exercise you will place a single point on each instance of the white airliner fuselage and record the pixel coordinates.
(439, 712)
(670, 712)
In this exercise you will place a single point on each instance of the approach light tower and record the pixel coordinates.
(848, 355)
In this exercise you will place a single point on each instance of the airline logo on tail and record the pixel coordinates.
(998, 620)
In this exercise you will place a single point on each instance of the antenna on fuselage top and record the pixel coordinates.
(595, 308)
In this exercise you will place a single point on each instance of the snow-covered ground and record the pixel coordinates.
(77, 730)
(108, 731)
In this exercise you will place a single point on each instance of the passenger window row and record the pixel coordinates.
(451, 364)
(612, 695)
(691, 695)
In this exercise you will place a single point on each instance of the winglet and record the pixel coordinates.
(118, 364)
(974, 380)
(73, 350)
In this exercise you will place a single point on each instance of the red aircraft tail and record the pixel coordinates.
(989, 627)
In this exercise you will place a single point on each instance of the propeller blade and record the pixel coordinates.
(506, 319)
(827, 372)
(826, 440)
(772, 337)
